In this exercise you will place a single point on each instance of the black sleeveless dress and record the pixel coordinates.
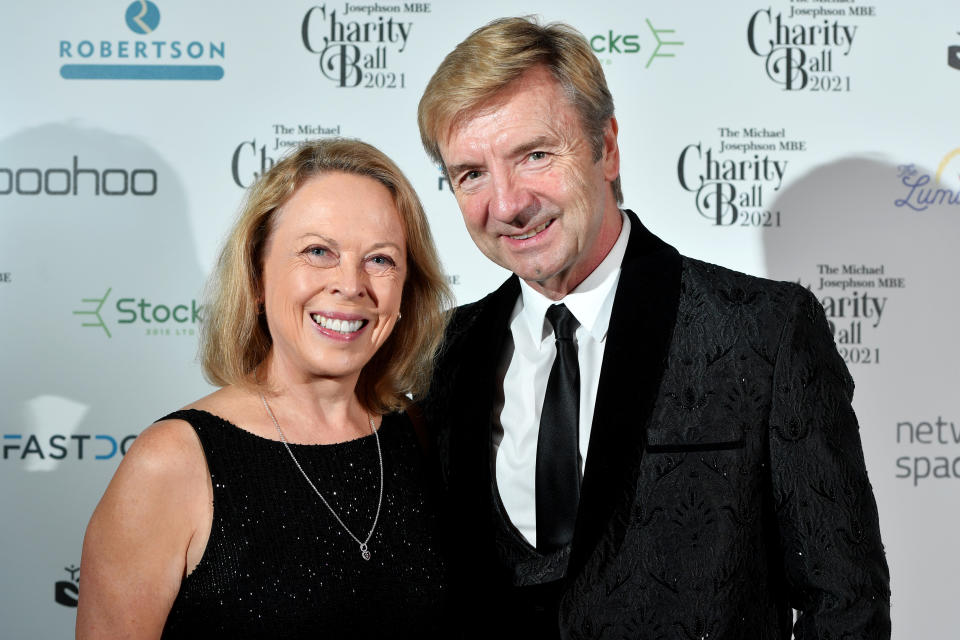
(278, 565)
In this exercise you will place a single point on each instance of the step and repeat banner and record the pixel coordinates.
(806, 140)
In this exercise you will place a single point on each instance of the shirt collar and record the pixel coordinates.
(591, 302)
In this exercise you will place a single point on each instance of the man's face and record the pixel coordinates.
(533, 198)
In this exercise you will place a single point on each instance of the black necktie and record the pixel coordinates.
(558, 460)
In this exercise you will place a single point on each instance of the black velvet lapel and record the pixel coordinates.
(470, 439)
(638, 341)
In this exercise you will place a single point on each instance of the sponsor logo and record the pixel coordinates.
(77, 179)
(253, 157)
(953, 55)
(67, 592)
(443, 180)
(141, 59)
(157, 319)
(732, 180)
(360, 50)
(924, 191)
(855, 298)
(6, 277)
(65, 446)
(615, 42)
(924, 439)
(802, 49)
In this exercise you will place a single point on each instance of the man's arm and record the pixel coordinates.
(833, 558)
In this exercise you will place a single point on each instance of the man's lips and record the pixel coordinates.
(532, 232)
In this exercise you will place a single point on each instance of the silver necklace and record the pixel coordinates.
(364, 551)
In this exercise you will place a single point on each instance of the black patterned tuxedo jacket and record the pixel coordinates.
(724, 484)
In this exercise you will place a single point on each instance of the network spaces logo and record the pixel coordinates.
(805, 47)
(146, 57)
(649, 44)
(358, 46)
(111, 313)
(923, 191)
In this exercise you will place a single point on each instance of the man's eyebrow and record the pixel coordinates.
(531, 145)
(457, 169)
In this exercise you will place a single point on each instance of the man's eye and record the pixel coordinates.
(471, 175)
(538, 155)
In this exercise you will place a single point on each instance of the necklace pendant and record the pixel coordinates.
(364, 552)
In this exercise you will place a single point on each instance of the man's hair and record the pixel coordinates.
(498, 53)
(235, 338)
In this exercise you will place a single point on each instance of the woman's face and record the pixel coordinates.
(333, 272)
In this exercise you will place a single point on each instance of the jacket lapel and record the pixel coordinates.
(638, 341)
(470, 439)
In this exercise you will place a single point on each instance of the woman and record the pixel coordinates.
(291, 502)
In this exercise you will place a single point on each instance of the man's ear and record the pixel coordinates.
(611, 151)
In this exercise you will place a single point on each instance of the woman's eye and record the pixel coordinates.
(321, 256)
(379, 264)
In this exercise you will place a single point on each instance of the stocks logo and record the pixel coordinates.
(66, 592)
(155, 59)
(953, 55)
(358, 52)
(251, 159)
(612, 42)
(77, 180)
(921, 195)
(798, 52)
(730, 191)
(62, 446)
(157, 319)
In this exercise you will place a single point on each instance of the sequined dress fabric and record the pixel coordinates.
(277, 563)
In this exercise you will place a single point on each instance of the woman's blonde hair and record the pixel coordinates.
(498, 53)
(235, 338)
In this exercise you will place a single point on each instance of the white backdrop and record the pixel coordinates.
(802, 140)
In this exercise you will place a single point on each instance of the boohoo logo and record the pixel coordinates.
(156, 59)
(143, 16)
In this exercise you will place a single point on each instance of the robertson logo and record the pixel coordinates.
(155, 59)
(614, 42)
(143, 17)
(159, 319)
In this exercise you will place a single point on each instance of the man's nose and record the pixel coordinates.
(512, 200)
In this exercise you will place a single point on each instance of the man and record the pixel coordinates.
(669, 454)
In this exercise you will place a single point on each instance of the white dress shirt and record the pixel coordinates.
(523, 375)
